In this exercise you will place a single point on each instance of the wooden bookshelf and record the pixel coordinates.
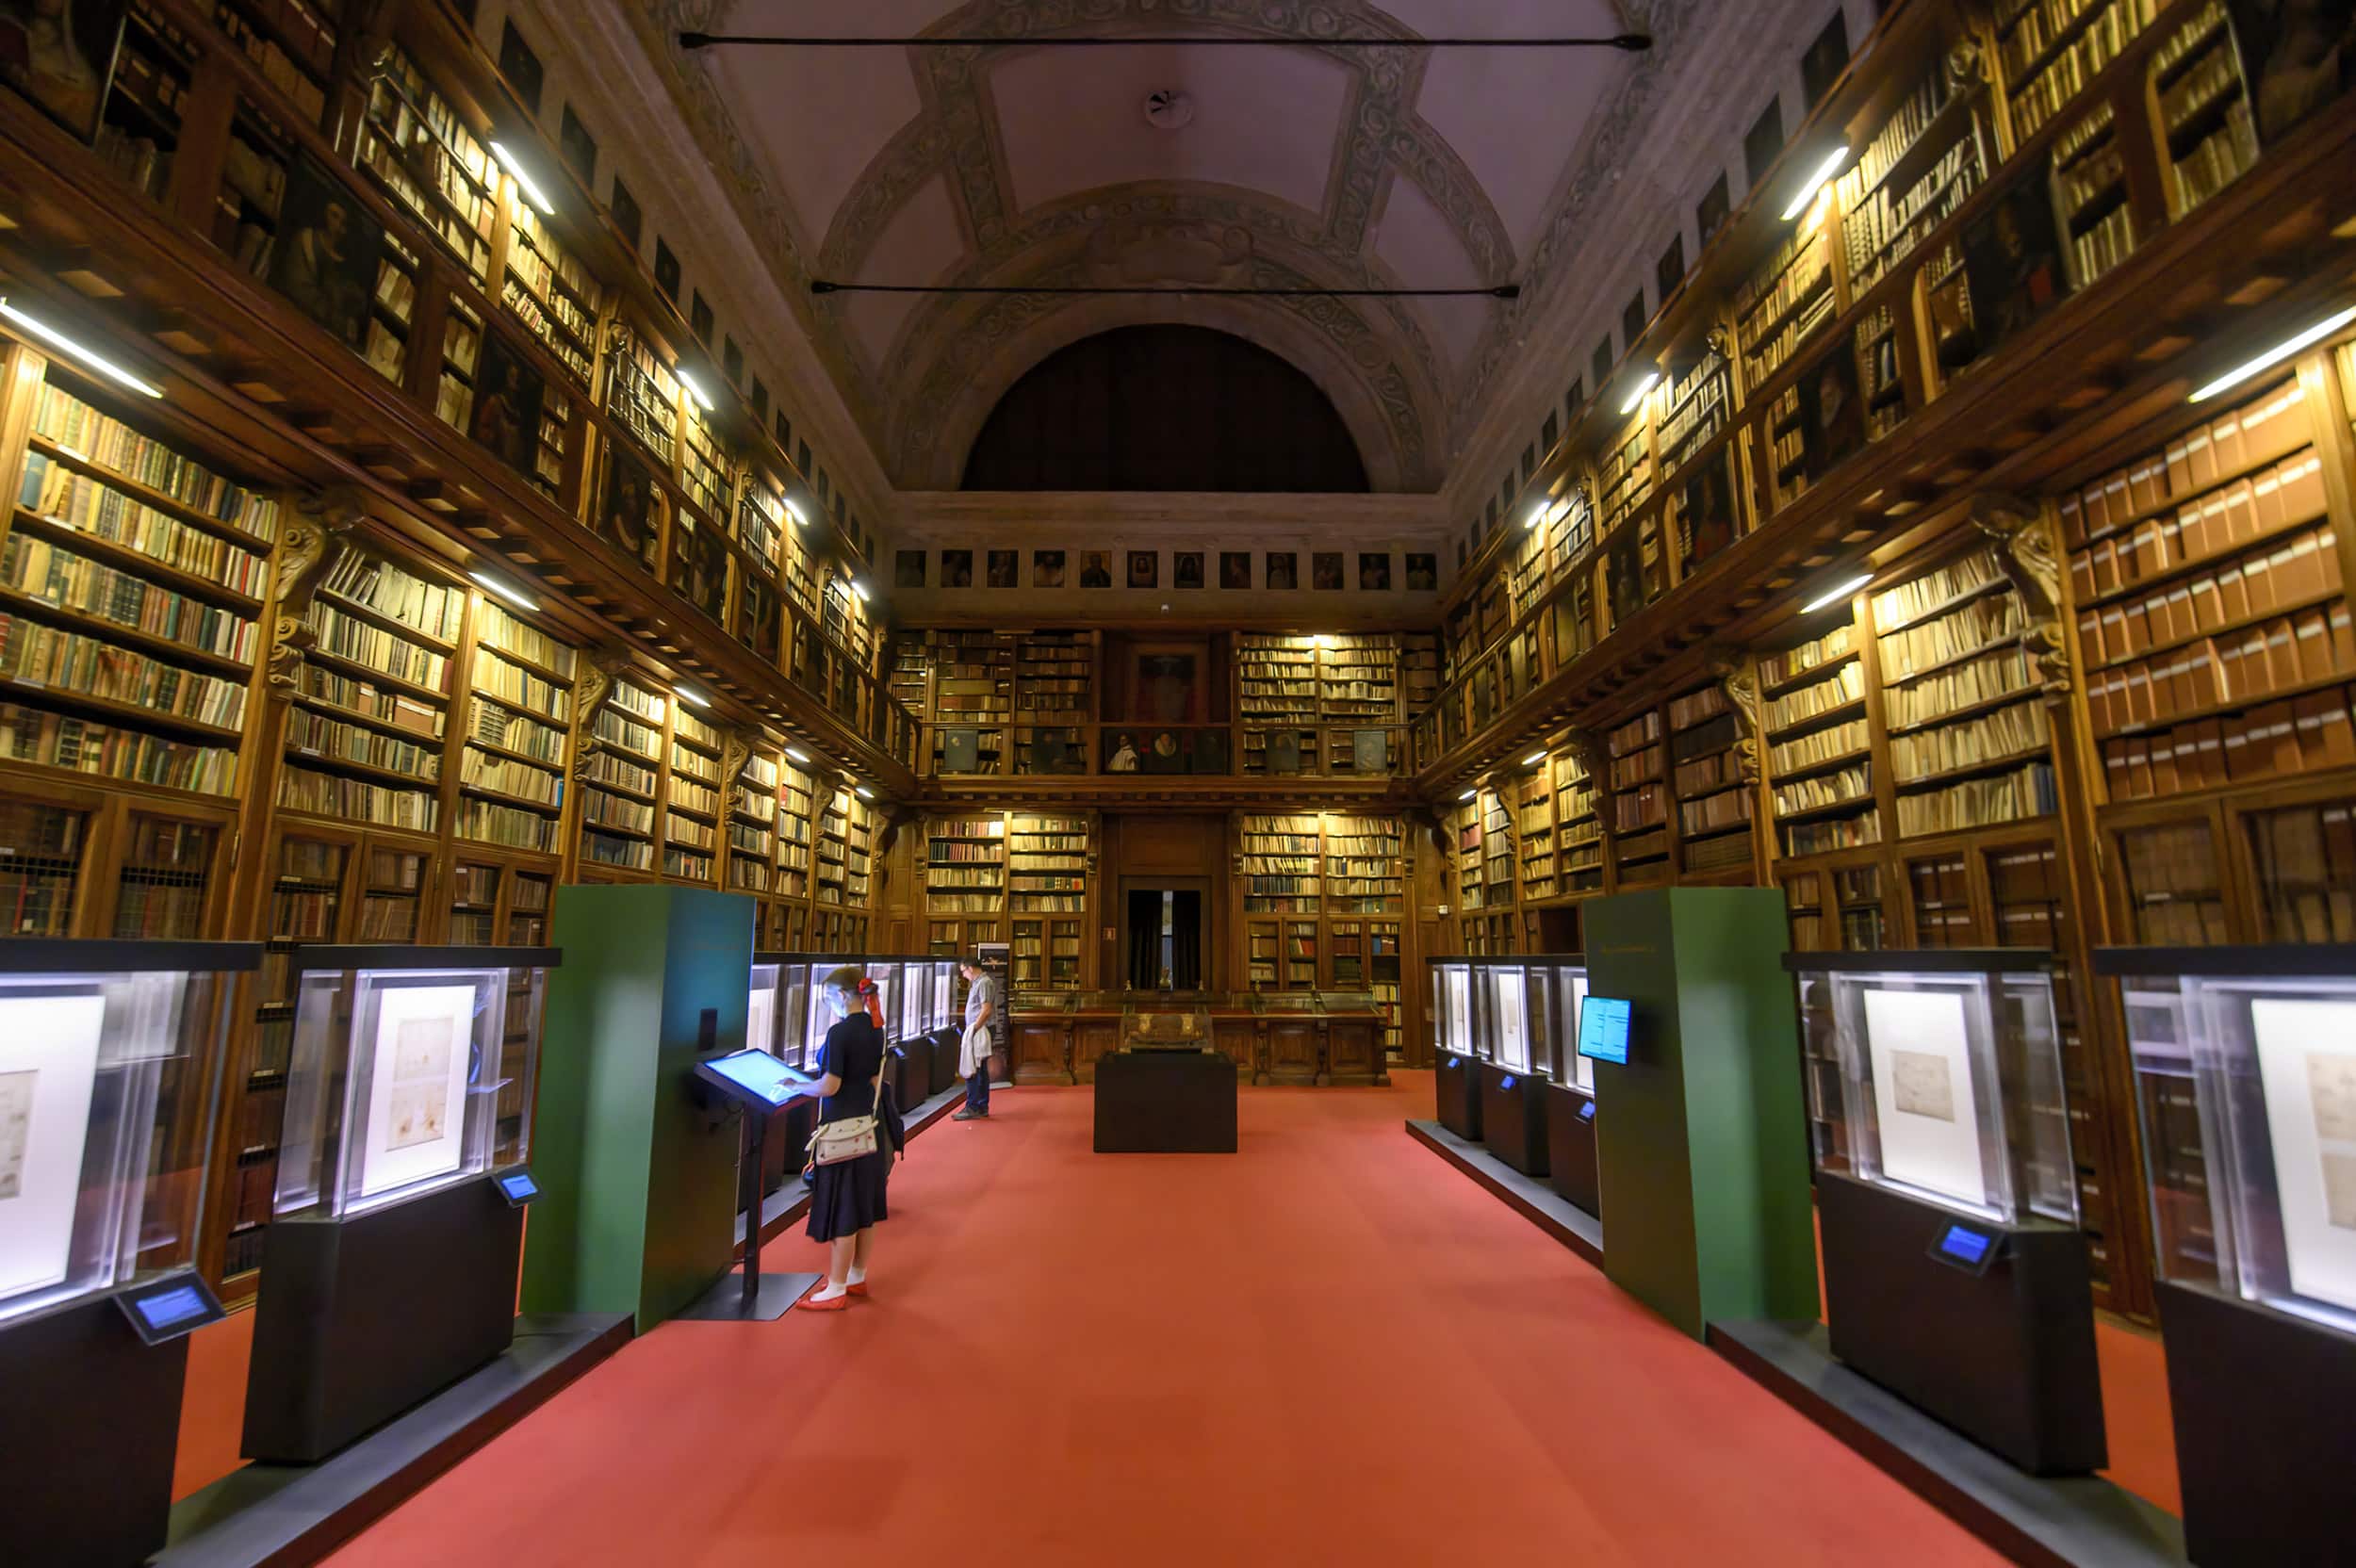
(1281, 866)
(1640, 801)
(965, 865)
(1278, 687)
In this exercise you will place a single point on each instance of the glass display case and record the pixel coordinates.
(1507, 994)
(1564, 980)
(818, 1015)
(1940, 1074)
(1452, 1006)
(763, 1016)
(111, 1063)
(884, 972)
(412, 1070)
(945, 1015)
(1456, 1037)
(2245, 1074)
(110, 1066)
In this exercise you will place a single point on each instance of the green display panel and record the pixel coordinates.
(638, 1180)
(1701, 1138)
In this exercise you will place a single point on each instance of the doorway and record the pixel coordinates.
(1162, 937)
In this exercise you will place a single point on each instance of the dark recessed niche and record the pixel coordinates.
(1763, 142)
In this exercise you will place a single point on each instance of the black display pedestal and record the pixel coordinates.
(947, 1045)
(1456, 1083)
(1514, 1118)
(366, 1315)
(912, 1080)
(2265, 1408)
(746, 1294)
(2006, 1358)
(1165, 1102)
(90, 1423)
(1571, 1146)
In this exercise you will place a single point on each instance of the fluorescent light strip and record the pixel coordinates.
(1636, 399)
(1816, 182)
(50, 336)
(1470, 794)
(863, 791)
(694, 390)
(1537, 516)
(491, 585)
(795, 512)
(688, 695)
(2275, 356)
(860, 589)
(523, 181)
(1834, 595)
(794, 754)
(1533, 758)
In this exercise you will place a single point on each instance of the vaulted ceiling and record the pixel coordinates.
(1311, 166)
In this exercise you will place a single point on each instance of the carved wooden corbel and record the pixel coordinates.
(2026, 553)
(736, 750)
(1586, 749)
(1738, 678)
(593, 687)
(321, 520)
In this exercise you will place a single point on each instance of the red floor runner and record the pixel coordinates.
(1322, 1349)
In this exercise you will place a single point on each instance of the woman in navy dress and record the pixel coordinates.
(846, 1200)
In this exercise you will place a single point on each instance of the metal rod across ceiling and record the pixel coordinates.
(1631, 43)
(1500, 291)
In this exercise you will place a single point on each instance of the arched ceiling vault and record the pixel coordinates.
(1315, 166)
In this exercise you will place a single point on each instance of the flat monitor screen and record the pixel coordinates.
(757, 1074)
(1603, 1029)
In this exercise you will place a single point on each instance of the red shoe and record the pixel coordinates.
(856, 1288)
(812, 1303)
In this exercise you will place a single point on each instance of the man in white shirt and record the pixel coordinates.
(981, 1006)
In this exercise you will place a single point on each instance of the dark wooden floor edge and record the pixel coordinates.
(1991, 1528)
(334, 1529)
(1587, 1251)
(929, 1112)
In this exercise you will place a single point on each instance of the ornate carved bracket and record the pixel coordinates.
(736, 749)
(1738, 678)
(2026, 553)
(592, 685)
(318, 521)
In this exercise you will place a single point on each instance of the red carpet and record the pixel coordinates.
(1328, 1349)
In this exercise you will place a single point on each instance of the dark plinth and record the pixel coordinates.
(367, 1316)
(725, 1301)
(281, 1515)
(947, 1045)
(1514, 1118)
(1571, 1148)
(1165, 1102)
(780, 1156)
(910, 1065)
(89, 1418)
(2006, 1358)
(1527, 1196)
(2265, 1409)
(2050, 1522)
(1456, 1080)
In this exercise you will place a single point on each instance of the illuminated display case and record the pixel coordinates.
(1955, 1272)
(1456, 1045)
(1569, 1095)
(110, 1071)
(2245, 1072)
(776, 1020)
(409, 1100)
(1515, 1020)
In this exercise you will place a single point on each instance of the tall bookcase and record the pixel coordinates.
(1047, 858)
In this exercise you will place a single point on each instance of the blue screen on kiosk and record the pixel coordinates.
(1603, 1029)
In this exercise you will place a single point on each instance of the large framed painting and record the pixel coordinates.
(758, 616)
(1832, 412)
(626, 512)
(327, 255)
(509, 395)
(1710, 518)
(2013, 258)
(2297, 56)
(699, 567)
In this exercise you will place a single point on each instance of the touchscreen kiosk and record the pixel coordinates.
(753, 1078)
(111, 1055)
(2245, 1079)
(1603, 1022)
(1946, 1193)
(410, 1082)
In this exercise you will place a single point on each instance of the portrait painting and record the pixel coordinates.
(521, 67)
(1047, 569)
(1235, 569)
(1165, 687)
(1145, 569)
(1709, 525)
(625, 505)
(1832, 412)
(1374, 572)
(2012, 258)
(757, 605)
(1715, 207)
(60, 54)
(957, 568)
(1186, 569)
(908, 569)
(1623, 571)
(326, 257)
(1325, 571)
(1283, 571)
(1096, 568)
(509, 395)
(699, 566)
(1423, 573)
(2297, 54)
(1004, 569)
(577, 147)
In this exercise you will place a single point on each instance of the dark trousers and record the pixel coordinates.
(978, 1089)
